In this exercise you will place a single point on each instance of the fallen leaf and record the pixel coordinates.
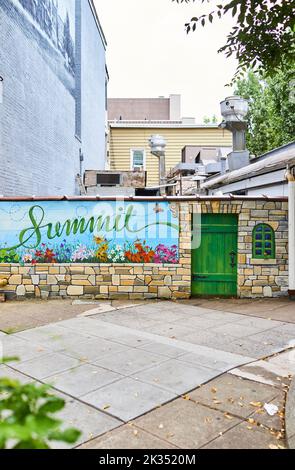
(214, 390)
(228, 416)
(260, 412)
(257, 404)
(186, 397)
(273, 446)
(106, 407)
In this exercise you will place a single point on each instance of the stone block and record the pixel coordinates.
(104, 289)
(35, 280)
(257, 290)
(249, 204)
(54, 270)
(14, 280)
(89, 271)
(116, 280)
(164, 292)
(75, 290)
(51, 279)
(259, 214)
(282, 281)
(92, 280)
(125, 289)
(267, 291)
(21, 291)
(30, 288)
(80, 282)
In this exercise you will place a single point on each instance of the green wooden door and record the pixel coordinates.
(214, 263)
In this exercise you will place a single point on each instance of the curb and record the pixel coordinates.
(290, 416)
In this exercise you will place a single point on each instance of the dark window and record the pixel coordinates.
(263, 242)
(106, 179)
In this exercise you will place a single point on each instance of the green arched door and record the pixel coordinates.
(214, 262)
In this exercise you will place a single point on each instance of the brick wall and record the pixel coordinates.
(39, 152)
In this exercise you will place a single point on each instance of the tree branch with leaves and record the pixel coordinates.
(263, 38)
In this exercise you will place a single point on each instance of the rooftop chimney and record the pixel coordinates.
(234, 110)
(158, 145)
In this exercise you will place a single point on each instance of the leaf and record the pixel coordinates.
(42, 425)
(256, 404)
(33, 444)
(14, 431)
(52, 405)
(70, 436)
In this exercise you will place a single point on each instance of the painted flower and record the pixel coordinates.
(98, 240)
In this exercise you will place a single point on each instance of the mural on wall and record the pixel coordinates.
(88, 232)
(57, 20)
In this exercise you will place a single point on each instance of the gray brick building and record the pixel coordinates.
(52, 95)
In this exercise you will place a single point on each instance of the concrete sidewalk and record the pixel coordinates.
(135, 365)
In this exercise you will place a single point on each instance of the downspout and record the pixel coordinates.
(290, 175)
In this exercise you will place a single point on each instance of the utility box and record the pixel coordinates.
(107, 183)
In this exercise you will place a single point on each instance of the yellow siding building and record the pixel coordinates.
(129, 144)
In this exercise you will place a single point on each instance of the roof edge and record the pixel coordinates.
(230, 197)
(98, 23)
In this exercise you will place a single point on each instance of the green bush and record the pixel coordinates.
(26, 417)
(9, 256)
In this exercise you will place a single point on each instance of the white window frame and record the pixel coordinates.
(132, 156)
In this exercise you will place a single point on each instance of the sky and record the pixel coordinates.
(149, 54)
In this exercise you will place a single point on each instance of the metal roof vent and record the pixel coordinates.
(234, 109)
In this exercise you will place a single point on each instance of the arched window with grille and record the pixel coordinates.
(264, 246)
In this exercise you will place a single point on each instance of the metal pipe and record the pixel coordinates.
(291, 185)
(158, 144)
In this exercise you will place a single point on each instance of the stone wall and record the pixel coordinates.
(256, 277)
(134, 282)
(105, 281)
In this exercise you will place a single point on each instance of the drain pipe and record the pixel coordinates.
(158, 145)
(291, 185)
